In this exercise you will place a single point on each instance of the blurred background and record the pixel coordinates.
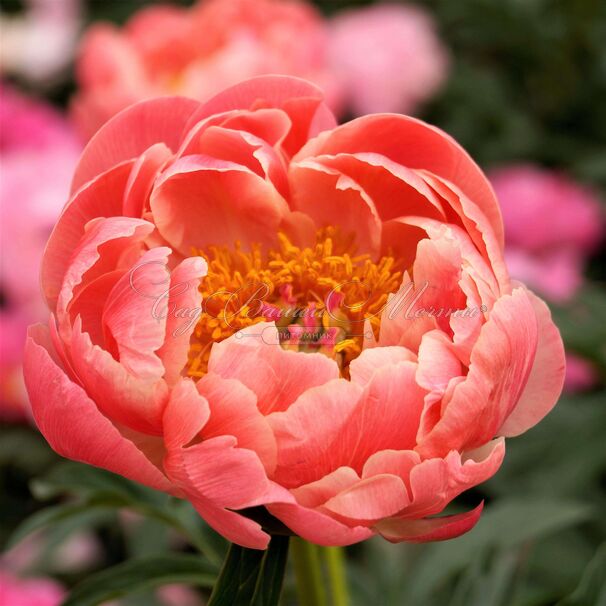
(521, 84)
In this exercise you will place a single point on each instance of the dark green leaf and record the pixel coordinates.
(139, 575)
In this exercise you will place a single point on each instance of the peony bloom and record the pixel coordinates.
(387, 57)
(581, 375)
(198, 51)
(38, 152)
(253, 307)
(552, 226)
(29, 592)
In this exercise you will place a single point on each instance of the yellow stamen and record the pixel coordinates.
(245, 287)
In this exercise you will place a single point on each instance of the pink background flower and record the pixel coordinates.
(38, 151)
(387, 57)
(16, 591)
(196, 52)
(552, 225)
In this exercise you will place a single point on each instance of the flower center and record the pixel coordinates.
(321, 298)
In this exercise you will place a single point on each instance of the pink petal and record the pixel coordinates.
(195, 195)
(277, 376)
(546, 379)
(306, 433)
(413, 144)
(363, 368)
(234, 412)
(160, 120)
(299, 99)
(435, 482)
(124, 398)
(141, 179)
(500, 366)
(433, 529)
(318, 527)
(369, 500)
(71, 422)
(182, 312)
(331, 198)
(101, 197)
(98, 252)
(129, 314)
(317, 493)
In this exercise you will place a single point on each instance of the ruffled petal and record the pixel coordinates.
(546, 379)
(71, 421)
(277, 376)
(160, 120)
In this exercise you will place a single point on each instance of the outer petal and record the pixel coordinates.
(500, 365)
(413, 144)
(432, 529)
(546, 378)
(214, 474)
(135, 402)
(101, 197)
(160, 120)
(318, 527)
(71, 422)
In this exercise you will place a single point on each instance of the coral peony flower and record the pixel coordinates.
(387, 57)
(552, 223)
(198, 51)
(29, 592)
(38, 153)
(252, 307)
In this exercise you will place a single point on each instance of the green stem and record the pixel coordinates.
(337, 577)
(308, 573)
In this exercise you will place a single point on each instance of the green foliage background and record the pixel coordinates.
(528, 83)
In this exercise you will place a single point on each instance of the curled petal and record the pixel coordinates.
(71, 422)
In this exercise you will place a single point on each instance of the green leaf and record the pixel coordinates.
(79, 514)
(139, 575)
(505, 525)
(592, 588)
(251, 577)
(99, 487)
